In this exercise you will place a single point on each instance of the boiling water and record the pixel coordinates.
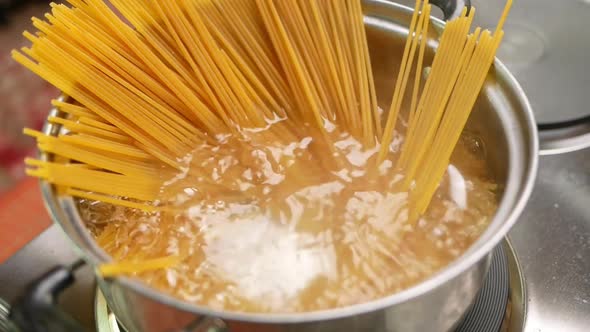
(279, 221)
(275, 228)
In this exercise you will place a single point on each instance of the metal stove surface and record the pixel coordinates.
(552, 241)
(545, 46)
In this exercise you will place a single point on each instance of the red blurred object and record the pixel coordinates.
(25, 98)
(25, 101)
(22, 217)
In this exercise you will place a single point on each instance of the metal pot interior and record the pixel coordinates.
(502, 118)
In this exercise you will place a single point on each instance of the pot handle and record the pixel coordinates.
(451, 8)
(563, 137)
(37, 311)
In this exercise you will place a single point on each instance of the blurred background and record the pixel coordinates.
(24, 97)
(24, 102)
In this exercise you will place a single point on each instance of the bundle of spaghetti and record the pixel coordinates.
(417, 33)
(84, 72)
(100, 158)
(114, 161)
(109, 157)
(230, 87)
(99, 162)
(251, 51)
(434, 97)
(213, 74)
(239, 90)
(169, 128)
(328, 67)
(280, 131)
(474, 70)
(435, 123)
(162, 93)
(70, 175)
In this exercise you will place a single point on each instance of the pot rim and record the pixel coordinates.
(508, 210)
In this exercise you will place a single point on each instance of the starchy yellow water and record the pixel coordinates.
(265, 226)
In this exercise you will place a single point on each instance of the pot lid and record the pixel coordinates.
(546, 47)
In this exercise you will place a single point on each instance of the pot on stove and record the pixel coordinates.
(503, 118)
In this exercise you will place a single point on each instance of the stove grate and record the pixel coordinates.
(489, 308)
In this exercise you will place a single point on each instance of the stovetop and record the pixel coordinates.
(552, 241)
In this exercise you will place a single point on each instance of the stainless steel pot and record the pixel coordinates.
(503, 119)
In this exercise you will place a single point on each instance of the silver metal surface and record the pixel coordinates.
(565, 140)
(451, 9)
(488, 311)
(503, 116)
(552, 242)
(49, 249)
(517, 304)
(106, 321)
(546, 47)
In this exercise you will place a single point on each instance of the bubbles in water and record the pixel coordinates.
(267, 226)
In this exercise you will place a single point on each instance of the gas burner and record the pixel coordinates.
(5, 324)
(490, 307)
